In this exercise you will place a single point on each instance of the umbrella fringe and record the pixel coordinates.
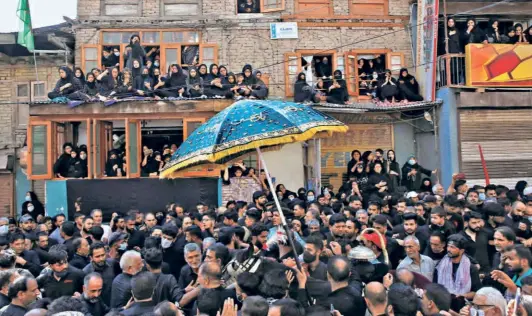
(308, 134)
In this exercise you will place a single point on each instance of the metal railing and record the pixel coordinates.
(451, 70)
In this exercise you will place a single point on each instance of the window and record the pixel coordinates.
(259, 6)
(316, 64)
(190, 125)
(121, 8)
(39, 150)
(183, 47)
(133, 139)
(38, 91)
(314, 8)
(180, 7)
(368, 7)
(23, 90)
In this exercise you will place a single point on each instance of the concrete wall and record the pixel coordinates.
(286, 166)
(404, 142)
(448, 135)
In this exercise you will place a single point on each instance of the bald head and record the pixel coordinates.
(211, 270)
(375, 294)
(339, 268)
(404, 276)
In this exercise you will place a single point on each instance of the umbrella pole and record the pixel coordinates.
(278, 205)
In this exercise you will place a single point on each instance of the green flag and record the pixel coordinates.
(25, 35)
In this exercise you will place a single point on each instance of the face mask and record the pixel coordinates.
(482, 196)
(411, 162)
(165, 243)
(28, 198)
(310, 198)
(375, 76)
(156, 64)
(308, 257)
(117, 54)
(529, 219)
(61, 274)
(31, 208)
(122, 247)
(476, 312)
(83, 156)
(291, 198)
(4, 229)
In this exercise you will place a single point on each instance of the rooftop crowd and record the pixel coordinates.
(388, 242)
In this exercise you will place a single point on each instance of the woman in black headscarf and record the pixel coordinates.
(113, 166)
(230, 85)
(412, 174)
(83, 160)
(66, 85)
(137, 52)
(378, 182)
(110, 81)
(202, 72)
(492, 33)
(213, 83)
(455, 38)
(144, 83)
(519, 33)
(337, 92)
(75, 168)
(528, 35)
(91, 88)
(31, 199)
(63, 162)
(351, 165)
(473, 34)
(194, 83)
(302, 90)
(387, 89)
(259, 90)
(78, 74)
(175, 84)
(223, 73)
(408, 86)
(125, 89)
(249, 79)
(325, 68)
(136, 71)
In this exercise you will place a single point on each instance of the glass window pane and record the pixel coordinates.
(173, 37)
(171, 57)
(132, 142)
(89, 65)
(150, 37)
(292, 69)
(126, 37)
(112, 37)
(273, 4)
(22, 90)
(38, 155)
(208, 53)
(91, 53)
(191, 37)
(38, 89)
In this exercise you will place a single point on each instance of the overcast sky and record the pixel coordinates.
(43, 13)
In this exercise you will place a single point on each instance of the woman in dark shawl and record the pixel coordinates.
(393, 170)
(302, 90)
(175, 83)
(426, 186)
(136, 71)
(351, 165)
(492, 32)
(213, 83)
(455, 38)
(194, 83)
(473, 34)
(319, 91)
(325, 68)
(110, 80)
(259, 90)
(91, 88)
(144, 83)
(33, 200)
(222, 71)
(113, 166)
(137, 52)
(202, 71)
(528, 35)
(378, 182)
(519, 33)
(338, 90)
(66, 85)
(387, 89)
(63, 162)
(78, 74)
(408, 86)
(83, 160)
(249, 79)
(413, 173)
(125, 89)
(75, 168)
(230, 85)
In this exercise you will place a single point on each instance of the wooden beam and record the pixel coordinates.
(350, 24)
(345, 17)
(131, 108)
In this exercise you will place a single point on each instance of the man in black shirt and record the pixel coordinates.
(435, 299)
(343, 297)
(476, 240)
(103, 266)
(311, 258)
(26, 259)
(439, 222)
(173, 249)
(142, 287)
(42, 246)
(131, 264)
(81, 256)
(91, 298)
(67, 233)
(136, 237)
(63, 280)
(166, 285)
(6, 277)
(22, 292)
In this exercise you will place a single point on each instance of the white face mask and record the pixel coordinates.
(31, 208)
(83, 156)
(28, 198)
(165, 243)
(117, 53)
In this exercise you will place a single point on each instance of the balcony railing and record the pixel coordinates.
(487, 66)
(451, 70)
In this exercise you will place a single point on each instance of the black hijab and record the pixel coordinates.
(69, 76)
(82, 77)
(248, 80)
(135, 72)
(211, 76)
(177, 79)
(91, 85)
(220, 72)
(193, 80)
(228, 84)
(409, 81)
(203, 76)
(137, 52)
(300, 88)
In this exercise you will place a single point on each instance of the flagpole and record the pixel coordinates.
(34, 55)
(35, 62)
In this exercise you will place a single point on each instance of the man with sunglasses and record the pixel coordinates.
(487, 302)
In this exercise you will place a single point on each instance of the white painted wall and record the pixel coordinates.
(286, 166)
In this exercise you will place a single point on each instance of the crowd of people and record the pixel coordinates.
(388, 242)
(142, 78)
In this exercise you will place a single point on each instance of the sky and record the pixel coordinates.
(43, 13)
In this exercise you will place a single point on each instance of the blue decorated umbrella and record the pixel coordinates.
(246, 126)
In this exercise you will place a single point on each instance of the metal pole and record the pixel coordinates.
(278, 205)
(445, 26)
(35, 62)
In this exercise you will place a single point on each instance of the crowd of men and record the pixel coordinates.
(360, 251)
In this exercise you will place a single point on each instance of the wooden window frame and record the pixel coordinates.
(22, 99)
(84, 57)
(263, 10)
(208, 45)
(32, 90)
(305, 16)
(163, 56)
(167, 2)
(49, 174)
(138, 3)
(385, 9)
(98, 135)
(190, 120)
(128, 148)
(300, 53)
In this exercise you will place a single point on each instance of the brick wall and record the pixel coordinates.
(151, 8)
(88, 8)
(6, 194)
